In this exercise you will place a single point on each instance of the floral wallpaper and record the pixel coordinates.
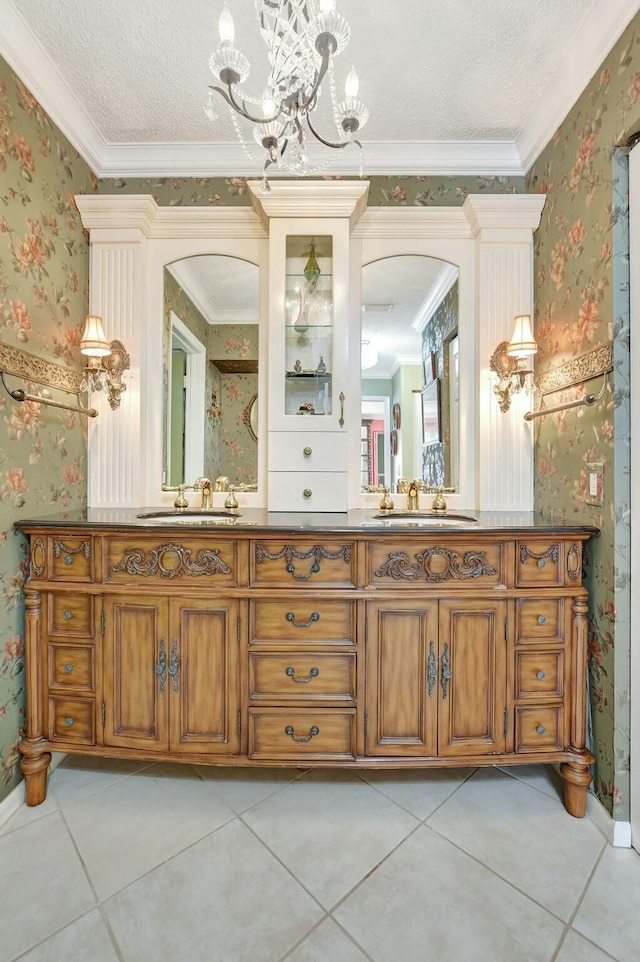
(44, 270)
(406, 191)
(582, 301)
(440, 329)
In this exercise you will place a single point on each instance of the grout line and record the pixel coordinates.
(579, 900)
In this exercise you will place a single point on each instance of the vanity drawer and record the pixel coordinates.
(299, 621)
(539, 674)
(302, 675)
(308, 490)
(70, 614)
(170, 559)
(71, 666)
(70, 558)
(291, 734)
(539, 620)
(421, 562)
(312, 451)
(71, 720)
(539, 728)
(539, 563)
(303, 564)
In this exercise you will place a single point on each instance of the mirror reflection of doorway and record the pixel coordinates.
(375, 455)
(186, 410)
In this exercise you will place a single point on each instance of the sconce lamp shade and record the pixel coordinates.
(93, 341)
(522, 343)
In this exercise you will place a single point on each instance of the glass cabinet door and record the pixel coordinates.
(309, 336)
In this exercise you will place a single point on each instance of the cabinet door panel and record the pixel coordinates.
(203, 676)
(472, 698)
(401, 697)
(135, 643)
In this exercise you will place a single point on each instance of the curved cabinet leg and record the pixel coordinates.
(34, 766)
(577, 779)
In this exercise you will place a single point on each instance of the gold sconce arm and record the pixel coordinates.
(512, 374)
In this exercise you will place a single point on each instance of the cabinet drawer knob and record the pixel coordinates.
(540, 730)
(67, 615)
(307, 493)
(314, 616)
(68, 668)
(69, 721)
(541, 562)
(314, 730)
(291, 673)
(68, 560)
(540, 675)
(541, 619)
(307, 452)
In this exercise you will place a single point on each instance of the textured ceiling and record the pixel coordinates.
(135, 72)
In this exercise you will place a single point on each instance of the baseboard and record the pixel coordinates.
(10, 805)
(617, 833)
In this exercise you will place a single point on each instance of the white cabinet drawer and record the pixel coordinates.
(307, 491)
(312, 451)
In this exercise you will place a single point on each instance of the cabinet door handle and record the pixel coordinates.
(540, 675)
(173, 666)
(432, 669)
(314, 616)
(161, 668)
(314, 730)
(307, 452)
(291, 672)
(446, 671)
(342, 399)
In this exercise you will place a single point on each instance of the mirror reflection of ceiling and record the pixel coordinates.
(224, 289)
(126, 80)
(399, 295)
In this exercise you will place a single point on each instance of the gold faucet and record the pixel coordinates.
(412, 495)
(204, 485)
(231, 502)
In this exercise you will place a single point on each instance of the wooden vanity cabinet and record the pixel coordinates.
(307, 647)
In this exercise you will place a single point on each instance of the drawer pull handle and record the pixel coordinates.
(68, 560)
(541, 563)
(68, 668)
(69, 721)
(315, 568)
(307, 493)
(540, 675)
(314, 616)
(307, 452)
(314, 730)
(291, 672)
(540, 730)
(541, 619)
(67, 615)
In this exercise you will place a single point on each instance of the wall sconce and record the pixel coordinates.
(509, 361)
(106, 361)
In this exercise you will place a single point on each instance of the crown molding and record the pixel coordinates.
(141, 212)
(445, 280)
(600, 30)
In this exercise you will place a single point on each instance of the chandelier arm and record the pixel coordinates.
(328, 143)
(240, 108)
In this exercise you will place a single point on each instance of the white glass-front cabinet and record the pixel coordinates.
(310, 371)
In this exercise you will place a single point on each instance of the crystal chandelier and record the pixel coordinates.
(302, 37)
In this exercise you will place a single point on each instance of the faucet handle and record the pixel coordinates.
(180, 501)
(386, 504)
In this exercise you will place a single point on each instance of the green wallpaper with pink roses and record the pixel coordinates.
(582, 301)
(43, 297)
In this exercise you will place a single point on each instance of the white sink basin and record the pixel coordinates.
(189, 516)
(423, 519)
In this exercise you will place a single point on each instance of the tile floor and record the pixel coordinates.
(155, 862)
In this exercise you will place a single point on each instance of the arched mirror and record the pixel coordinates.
(211, 312)
(409, 351)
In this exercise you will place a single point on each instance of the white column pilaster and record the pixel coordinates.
(503, 229)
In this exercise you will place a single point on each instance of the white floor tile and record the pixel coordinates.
(523, 835)
(430, 902)
(576, 949)
(327, 943)
(609, 914)
(136, 823)
(226, 899)
(77, 777)
(86, 940)
(42, 882)
(420, 792)
(29, 813)
(546, 778)
(330, 830)
(242, 788)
